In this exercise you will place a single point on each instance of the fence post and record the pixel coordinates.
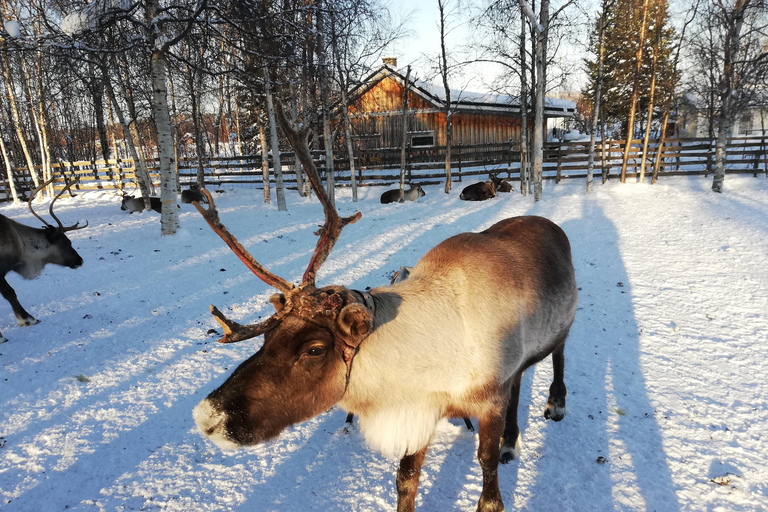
(759, 156)
(559, 162)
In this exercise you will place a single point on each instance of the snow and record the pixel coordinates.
(665, 364)
(87, 18)
(13, 28)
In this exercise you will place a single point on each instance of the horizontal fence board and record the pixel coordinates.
(695, 156)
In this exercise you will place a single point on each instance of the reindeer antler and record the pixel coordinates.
(50, 208)
(329, 233)
(211, 216)
(331, 230)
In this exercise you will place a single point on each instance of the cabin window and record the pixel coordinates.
(422, 139)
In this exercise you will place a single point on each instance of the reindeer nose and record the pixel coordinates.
(212, 423)
(77, 263)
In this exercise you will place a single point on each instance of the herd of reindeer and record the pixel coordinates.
(449, 337)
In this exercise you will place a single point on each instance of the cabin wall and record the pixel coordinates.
(377, 120)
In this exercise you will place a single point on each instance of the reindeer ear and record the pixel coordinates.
(277, 300)
(355, 322)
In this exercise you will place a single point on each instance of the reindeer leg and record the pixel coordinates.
(511, 442)
(349, 419)
(22, 316)
(408, 480)
(3, 339)
(556, 409)
(490, 428)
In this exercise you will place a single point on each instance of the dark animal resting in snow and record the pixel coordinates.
(396, 356)
(412, 194)
(478, 191)
(402, 274)
(501, 185)
(136, 204)
(192, 195)
(26, 250)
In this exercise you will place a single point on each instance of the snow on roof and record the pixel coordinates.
(468, 100)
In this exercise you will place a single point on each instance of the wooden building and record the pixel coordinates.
(376, 113)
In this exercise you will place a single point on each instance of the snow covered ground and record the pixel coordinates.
(665, 366)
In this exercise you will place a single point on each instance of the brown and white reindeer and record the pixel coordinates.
(26, 250)
(451, 340)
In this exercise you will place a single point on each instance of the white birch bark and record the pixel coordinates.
(169, 218)
(279, 187)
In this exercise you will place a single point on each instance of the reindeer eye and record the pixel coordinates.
(316, 351)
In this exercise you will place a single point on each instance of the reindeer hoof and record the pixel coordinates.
(554, 412)
(28, 321)
(510, 452)
(3, 339)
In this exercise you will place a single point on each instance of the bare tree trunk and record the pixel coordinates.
(525, 177)
(169, 219)
(139, 166)
(176, 130)
(8, 171)
(17, 118)
(404, 147)
(279, 188)
(350, 145)
(735, 20)
(297, 165)
(448, 111)
(662, 140)
(236, 115)
(37, 122)
(193, 85)
(264, 157)
(324, 94)
(635, 92)
(651, 96)
(598, 99)
(541, 82)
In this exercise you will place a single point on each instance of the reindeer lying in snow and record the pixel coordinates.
(26, 250)
(451, 340)
(412, 194)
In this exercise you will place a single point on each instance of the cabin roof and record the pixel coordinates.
(461, 100)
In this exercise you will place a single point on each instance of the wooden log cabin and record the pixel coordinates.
(376, 113)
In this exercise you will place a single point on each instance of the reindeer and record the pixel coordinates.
(500, 184)
(26, 250)
(192, 195)
(136, 204)
(451, 340)
(479, 191)
(412, 194)
(402, 274)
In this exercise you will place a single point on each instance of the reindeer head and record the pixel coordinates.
(303, 366)
(61, 251)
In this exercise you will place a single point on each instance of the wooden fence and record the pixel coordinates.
(426, 165)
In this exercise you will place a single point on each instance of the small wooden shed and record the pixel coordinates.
(376, 113)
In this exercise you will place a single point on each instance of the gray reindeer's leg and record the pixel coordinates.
(491, 427)
(511, 442)
(22, 316)
(556, 409)
(408, 480)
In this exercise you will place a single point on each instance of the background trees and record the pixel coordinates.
(194, 78)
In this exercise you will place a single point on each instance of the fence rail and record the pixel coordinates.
(426, 165)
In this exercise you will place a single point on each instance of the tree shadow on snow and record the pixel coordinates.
(608, 451)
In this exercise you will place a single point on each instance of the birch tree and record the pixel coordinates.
(728, 48)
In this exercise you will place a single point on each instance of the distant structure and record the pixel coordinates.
(376, 113)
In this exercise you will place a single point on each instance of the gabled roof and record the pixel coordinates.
(462, 101)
